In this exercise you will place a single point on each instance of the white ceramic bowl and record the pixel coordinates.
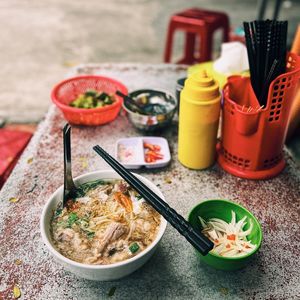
(98, 272)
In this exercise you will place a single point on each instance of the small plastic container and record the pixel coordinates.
(133, 156)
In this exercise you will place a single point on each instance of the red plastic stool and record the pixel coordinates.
(12, 144)
(196, 23)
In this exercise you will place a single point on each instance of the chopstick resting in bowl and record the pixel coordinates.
(196, 239)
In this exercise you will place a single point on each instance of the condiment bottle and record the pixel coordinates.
(198, 121)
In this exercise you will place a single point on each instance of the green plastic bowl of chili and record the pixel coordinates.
(222, 209)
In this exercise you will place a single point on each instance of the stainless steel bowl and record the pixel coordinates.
(152, 122)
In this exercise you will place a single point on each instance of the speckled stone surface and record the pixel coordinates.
(174, 272)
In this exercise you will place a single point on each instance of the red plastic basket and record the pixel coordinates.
(252, 141)
(68, 90)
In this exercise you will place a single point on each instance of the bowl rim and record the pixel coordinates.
(64, 107)
(243, 208)
(57, 254)
(156, 90)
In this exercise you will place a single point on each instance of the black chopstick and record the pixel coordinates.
(251, 54)
(197, 239)
(266, 44)
(267, 82)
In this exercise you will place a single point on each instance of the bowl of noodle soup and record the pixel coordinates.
(106, 232)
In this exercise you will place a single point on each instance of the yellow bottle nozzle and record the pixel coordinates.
(202, 86)
(203, 74)
(202, 79)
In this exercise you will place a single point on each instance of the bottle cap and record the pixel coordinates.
(201, 87)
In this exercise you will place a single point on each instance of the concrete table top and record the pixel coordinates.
(174, 272)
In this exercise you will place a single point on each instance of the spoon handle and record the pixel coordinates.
(130, 101)
(69, 185)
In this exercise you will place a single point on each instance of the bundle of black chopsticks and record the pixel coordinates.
(266, 46)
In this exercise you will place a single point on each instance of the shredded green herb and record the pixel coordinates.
(134, 247)
(72, 219)
(85, 187)
(90, 234)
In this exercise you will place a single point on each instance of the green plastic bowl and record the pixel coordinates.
(222, 209)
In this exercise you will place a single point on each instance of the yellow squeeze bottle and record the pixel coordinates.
(199, 114)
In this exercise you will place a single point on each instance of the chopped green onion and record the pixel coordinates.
(72, 219)
(85, 187)
(90, 234)
(134, 247)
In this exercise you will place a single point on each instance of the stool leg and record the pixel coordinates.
(169, 45)
(226, 30)
(189, 49)
(205, 47)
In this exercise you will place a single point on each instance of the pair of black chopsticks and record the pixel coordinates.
(266, 47)
(197, 239)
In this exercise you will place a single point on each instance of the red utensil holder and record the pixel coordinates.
(252, 140)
